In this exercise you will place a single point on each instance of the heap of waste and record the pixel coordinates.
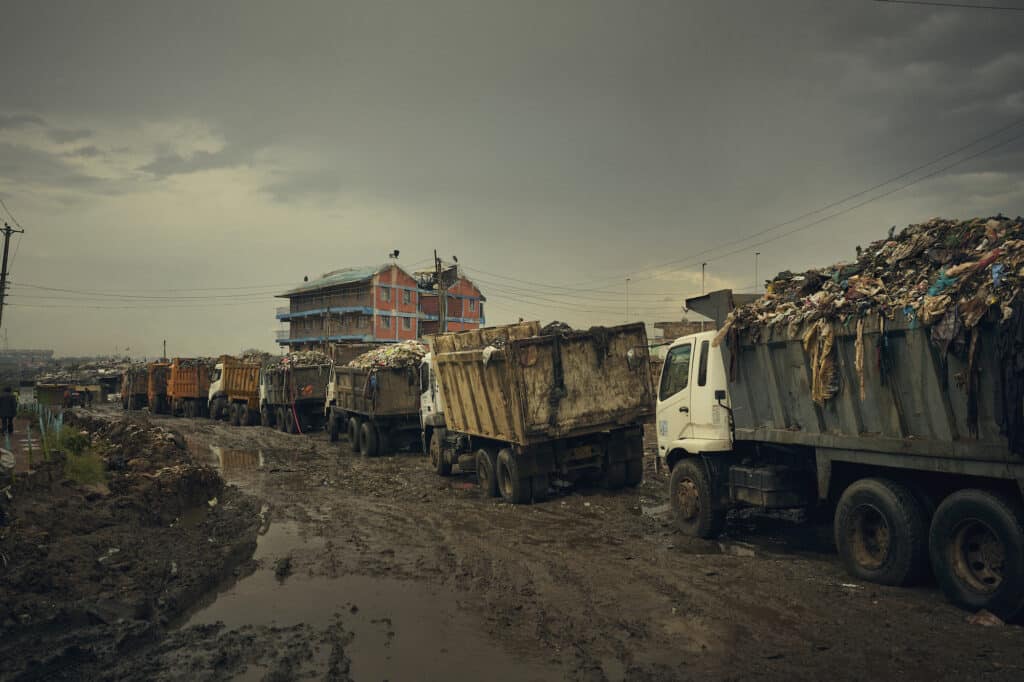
(555, 327)
(300, 358)
(407, 354)
(948, 276)
(189, 363)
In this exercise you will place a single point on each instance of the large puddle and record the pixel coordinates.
(401, 630)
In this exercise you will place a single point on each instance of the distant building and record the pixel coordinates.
(373, 304)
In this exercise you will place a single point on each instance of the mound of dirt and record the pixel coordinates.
(89, 571)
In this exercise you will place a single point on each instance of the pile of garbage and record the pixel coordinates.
(299, 358)
(189, 363)
(925, 271)
(555, 327)
(257, 357)
(406, 354)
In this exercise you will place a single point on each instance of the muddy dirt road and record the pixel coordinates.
(375, 569)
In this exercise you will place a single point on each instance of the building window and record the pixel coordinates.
(385, 321)
(364, 321)
(406, 323)
(406, 296)
(472, 305)
(385, 294)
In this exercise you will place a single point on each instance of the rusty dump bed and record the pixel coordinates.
(285, 385)
(241, 380)
(135, 381)
(157, 384)
(532, 388)
(189, 379)
(377, 393)
(915, 401)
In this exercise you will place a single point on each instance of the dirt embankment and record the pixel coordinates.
(89, 571)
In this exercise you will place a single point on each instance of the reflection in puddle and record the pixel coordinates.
(402, 630)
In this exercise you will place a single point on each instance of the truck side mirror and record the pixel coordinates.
(720, 395)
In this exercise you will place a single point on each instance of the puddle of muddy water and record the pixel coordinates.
(402, 630)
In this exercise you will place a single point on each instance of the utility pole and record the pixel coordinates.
(8, 231)
(702, 266)
(165, 349)
(627, 300)
(442, 296)
(757, 279)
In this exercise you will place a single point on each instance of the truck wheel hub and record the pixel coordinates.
(689, 499)
(978, 556)
(869, 537)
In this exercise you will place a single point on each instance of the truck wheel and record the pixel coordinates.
(353, 433)
(614, 475)
(233, 416)
(265, 417)
(634, 472)
(368, 442)
(441, 465)
(333, 428)
(282, 420)
(514, 488)
(487, 472)
(880, 532)
(977, 551)
(692, 500)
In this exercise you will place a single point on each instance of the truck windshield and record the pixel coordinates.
(215, 375)
(676, 374)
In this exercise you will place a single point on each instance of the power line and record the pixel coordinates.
(140, 297)
(9, 214)
(953, 5)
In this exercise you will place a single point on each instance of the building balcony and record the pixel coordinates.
(285, 313)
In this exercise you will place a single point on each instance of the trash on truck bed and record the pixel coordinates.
(392, 356)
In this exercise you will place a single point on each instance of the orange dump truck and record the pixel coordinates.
(156, 391)
(234, 393)
(188, 386)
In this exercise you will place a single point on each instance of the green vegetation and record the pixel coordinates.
(85, 469)
(67, 439)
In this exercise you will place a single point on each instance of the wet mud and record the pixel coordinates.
(395, 573)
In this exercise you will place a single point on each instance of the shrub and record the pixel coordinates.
(85, 469)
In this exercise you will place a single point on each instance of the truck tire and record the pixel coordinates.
(441, 465)
(634, 472)
(880, 532)
(977, 551)
(216, 409)
(487, 472)
(233, 414)
(368, 441)
(692, 499)
(353, 433)
(266, 417)
(514, 487)
(333, 428)
(614, 475)
(282, 420)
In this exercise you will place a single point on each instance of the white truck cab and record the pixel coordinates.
(693, 403)
(431, 402)
(216, 378)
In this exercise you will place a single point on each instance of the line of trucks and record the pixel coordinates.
(909, 486)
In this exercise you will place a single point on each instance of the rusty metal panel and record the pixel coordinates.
(397, 391)
(537, 388)
(915, 402)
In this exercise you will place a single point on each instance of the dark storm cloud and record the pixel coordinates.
(64, 136)
(9, 121)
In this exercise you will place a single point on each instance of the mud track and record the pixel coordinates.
(377, 568)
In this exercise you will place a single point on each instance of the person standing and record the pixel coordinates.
(8, 410)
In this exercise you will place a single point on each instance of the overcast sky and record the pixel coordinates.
(556, 148)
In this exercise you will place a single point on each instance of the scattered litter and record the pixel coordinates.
(851, 586)
(212, 502)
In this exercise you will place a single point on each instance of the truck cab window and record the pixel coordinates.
(676, 374)
(215, 375)
(702, 368)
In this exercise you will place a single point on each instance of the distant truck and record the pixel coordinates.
(157, 374)
(378, 408)
(908, 472)
(520, 407)
(234, 393)
(291, 395)
(135, 388)
(188, 387)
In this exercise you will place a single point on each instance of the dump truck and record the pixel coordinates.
(156, 387)
(234, 393)
(188, 387)
(135, 387)
(908, 453)
(378, 408)
(521, 407)
(292, 392)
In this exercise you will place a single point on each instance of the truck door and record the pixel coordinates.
(674, 397)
